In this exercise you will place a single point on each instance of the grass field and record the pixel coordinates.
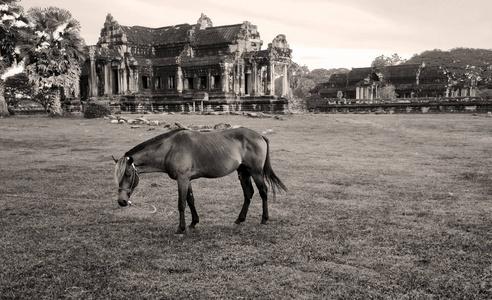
(379, 206)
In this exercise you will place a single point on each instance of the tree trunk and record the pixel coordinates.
(56, 108)
(4, 111)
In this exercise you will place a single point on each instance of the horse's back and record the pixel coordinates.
(218, 153)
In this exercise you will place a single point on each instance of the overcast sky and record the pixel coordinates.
(322, 33)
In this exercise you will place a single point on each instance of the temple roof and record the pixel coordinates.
(157, 36)
(432, 72)
(402, 71)
(338, 78)
(359, 73)
(180, 34)
(217, 35)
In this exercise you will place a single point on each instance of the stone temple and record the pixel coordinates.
(187, 68)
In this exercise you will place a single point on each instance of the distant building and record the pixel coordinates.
(171, 67)
(409, 81)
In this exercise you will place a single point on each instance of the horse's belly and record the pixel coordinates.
(215, 168)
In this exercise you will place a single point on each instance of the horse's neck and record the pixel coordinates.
(147, 161)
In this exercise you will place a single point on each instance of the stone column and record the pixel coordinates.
(264, 80)
(107, 79)
(117, 81)
(225, 79)
(285, 82)
(124, 76)
(272, 79)
(254, 79)
(92, 74)
(179, 80)
(242, 75)
(136, 86)
(237, 85)
(131, 83)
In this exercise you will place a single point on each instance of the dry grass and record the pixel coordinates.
(380, 206)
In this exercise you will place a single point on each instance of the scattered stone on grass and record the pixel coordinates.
(202, 128)
(193, 127)
(268, 132)
(222, 126)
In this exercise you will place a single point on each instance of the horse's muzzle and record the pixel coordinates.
(122, 202)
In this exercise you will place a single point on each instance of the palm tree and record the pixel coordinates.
(54, 51)
(11, 22)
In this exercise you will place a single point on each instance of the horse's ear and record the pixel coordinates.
(115, 160)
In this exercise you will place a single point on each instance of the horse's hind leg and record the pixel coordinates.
(183, 185)
(191, 203)
(245, 178)
(263, 189)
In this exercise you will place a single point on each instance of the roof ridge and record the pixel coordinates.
(232, 25)
(155, 28)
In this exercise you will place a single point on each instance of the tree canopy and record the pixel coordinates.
(459, 62)
(53, 50)
(304, 81)
(385, 61)
(458, 57)
(11, 22)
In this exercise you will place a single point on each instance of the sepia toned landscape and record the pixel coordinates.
(378, 118)
(379, 206)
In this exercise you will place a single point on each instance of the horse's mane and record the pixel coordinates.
(119, 171)
(152, 141)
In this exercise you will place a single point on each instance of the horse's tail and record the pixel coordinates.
(268, 173)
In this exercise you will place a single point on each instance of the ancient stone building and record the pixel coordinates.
(185, 67)
(409, 81)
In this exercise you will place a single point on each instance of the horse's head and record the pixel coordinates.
(126, 177)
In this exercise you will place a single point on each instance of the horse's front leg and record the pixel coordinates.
(183, 184)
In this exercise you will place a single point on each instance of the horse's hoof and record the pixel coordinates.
(180, 231)
(239, 221)
(264, 222)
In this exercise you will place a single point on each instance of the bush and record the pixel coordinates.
(93, 110)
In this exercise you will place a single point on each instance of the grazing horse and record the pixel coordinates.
(186, 155)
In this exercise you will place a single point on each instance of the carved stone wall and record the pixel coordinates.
(182, 62)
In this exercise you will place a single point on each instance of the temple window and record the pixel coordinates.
(158, 82)
(216, 82)
(189, 83)
(171, 83)
(202, 82)
(145, 82)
